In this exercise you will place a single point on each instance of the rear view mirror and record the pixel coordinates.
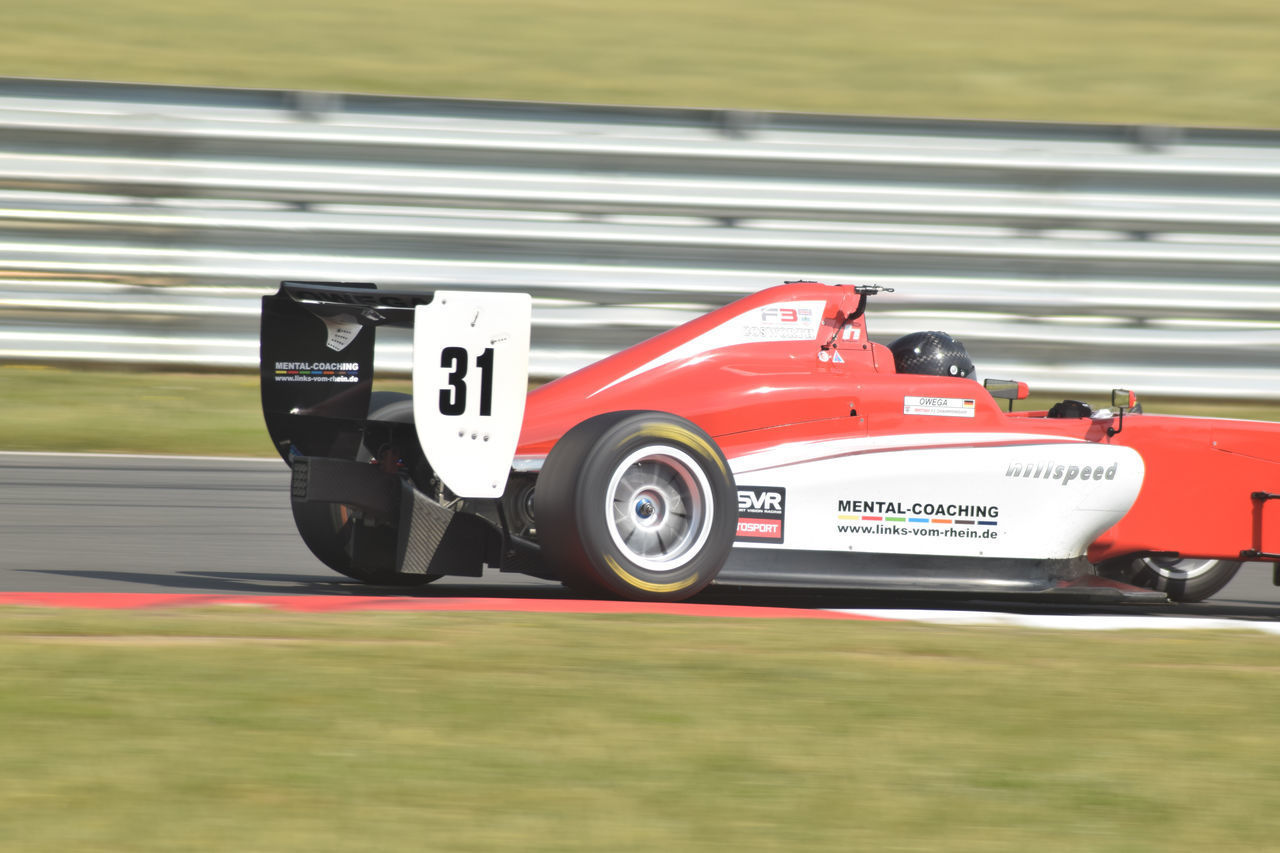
(1122, 400)
(1007, 389)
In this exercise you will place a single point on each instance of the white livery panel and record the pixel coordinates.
(1005, 498)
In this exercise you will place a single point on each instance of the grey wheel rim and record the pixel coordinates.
(659, 508)
(1180, 569)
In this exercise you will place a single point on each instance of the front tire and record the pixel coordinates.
(1184, 580)
(638, 504)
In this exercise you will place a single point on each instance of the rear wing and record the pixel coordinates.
(470, 374)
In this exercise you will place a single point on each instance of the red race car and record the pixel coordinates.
(769, 442)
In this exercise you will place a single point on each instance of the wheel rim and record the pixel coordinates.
(659, 509)
(1179, 569)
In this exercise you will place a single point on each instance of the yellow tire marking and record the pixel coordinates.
(646, 585)
(675, 434)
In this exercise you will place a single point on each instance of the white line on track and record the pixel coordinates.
(1071, 622)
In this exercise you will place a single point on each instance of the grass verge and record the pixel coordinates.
(187, 730)
(1141, 61)
(62, 409)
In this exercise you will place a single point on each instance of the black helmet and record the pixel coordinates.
(931, 353)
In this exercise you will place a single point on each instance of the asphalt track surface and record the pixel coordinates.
(131, 524)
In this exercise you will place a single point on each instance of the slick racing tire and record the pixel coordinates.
(638, 504)
(1184, 580)
(327, 528)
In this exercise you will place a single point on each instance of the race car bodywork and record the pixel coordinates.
(769, 442)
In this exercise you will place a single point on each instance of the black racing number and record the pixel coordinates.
(453, 399)
(484, 361)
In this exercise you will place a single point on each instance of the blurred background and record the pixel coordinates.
(1087, 193)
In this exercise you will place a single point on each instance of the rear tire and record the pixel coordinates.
(638, 504)
(328, 528)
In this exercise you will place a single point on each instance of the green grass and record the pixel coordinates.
(61, 409)
(225, 730)
(1169, 61)
(121, 411)
(211, 414)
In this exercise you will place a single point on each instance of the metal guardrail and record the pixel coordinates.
(140, 223)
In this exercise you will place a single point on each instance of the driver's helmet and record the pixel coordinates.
(931, 353)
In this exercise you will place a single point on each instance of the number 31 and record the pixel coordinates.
(453, 399)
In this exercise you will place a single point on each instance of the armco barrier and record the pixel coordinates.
(140, 224)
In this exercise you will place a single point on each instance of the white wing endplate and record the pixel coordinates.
(470, 378)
